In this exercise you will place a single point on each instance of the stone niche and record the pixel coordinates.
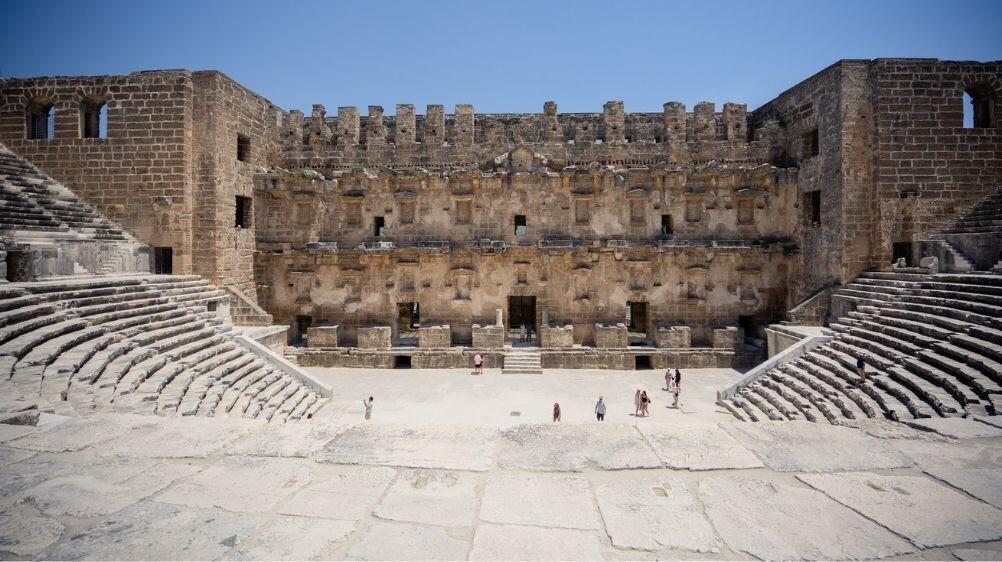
(435, 336)
(674, 336)
(556, 336)
(322, 336)
(730, 337)
(611, 336)
(488, 337)
(374, 337)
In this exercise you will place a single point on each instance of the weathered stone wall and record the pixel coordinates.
(225, 111)
(434, 336)
(373, 337)
(894, 161)
(556, 336)
(729, 337)
(438, 141)
(488, 337)
(140, 174)
(929, 168)
(322, 336)
(167, 169)
(611, 336)
(674, 336)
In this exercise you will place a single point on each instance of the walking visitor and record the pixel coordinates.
(645, 402)
(677, 387)
(636, 404)
(368, 407)
(478, 364)
(600, 409)
(556, 412)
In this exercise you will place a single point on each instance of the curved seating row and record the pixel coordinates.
(934, 348)
(148, 344)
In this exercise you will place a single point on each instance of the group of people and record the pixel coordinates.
(641, 401)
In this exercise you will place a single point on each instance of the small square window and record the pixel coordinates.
(520, 226)
(243, 148)
(812, 144)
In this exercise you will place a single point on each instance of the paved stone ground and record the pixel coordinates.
(671, 486)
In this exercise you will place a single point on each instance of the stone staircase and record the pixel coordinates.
(522, 361)
(144, 344)
(977, 233)
(984, 217)
(934, 344)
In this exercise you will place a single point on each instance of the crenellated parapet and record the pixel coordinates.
(437, 140)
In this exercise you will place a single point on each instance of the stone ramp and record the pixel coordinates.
(934, 344)
(146, 344)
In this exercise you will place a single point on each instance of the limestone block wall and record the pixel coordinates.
(488, 337)
(438, 140)
(551, 337)
(674, 336)
(435, 336)
(322, 336)
(614, 336)
(374, 337)
(729, 337)
(140, 174)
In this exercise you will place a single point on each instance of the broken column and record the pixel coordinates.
(735, 118)
(551, 125)
(462, 129)
(704, 122)
(319, 131)
(674, 121)
(375, 130)
(348, 128)
(614, 121)
(433, 130)
(404, 134)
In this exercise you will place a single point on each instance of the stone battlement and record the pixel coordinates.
(436, 140)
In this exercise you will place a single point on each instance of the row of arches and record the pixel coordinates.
(40, 119)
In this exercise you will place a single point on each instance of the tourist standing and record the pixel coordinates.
(600, 409)
(861, 368)
(521, 333)
(636, 404)
(668, 379)
(676, 387)
(556, 411)
(478, 364)
(368, 408)
(644, 403)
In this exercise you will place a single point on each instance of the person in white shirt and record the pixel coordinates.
(368, 408)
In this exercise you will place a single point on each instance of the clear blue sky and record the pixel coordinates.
(506, 56)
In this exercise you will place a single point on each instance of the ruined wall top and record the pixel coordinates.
(436, 140)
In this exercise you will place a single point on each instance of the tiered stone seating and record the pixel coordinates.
(985, 217)
(934, 344)
(142, 343)
(33, 201)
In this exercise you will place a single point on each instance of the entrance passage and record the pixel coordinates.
(522, 312)
(636, 322)
(408, 321)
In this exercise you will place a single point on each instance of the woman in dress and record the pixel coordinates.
(645, 402)
(636, 404)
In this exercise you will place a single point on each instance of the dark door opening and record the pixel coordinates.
(521, 228)
(401, 361)
(747, 323)
(303, 324)
(379, 226)
(666, 227)
(902, 250)
(18, 266)
(163, 260)
(642, 363)
(522, 312)
(408, 321)
(636, 322)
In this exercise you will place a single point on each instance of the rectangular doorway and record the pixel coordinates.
(408, 322)
(636, 322)
(163, 260)
(303, 324)
(522, 312)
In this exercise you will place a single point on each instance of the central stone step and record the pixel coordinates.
(522, 361)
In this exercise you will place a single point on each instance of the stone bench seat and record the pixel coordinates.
(775, 406)
(845, 354)
(193, 394)
(218, 388)
(22, 344)
(850, 402)
(873, 401)
(804, 408)
(978, 345)
(989, 367)
(230, 397)
(826, 410)
(301, 409)
(978, 298)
